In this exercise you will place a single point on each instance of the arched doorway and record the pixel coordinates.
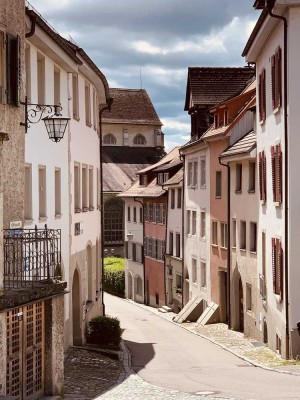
(237, 302)
(90, 272)
(76, 319)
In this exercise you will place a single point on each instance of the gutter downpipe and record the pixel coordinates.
(108, 107)
(228, 244)
(182, 157)
(143, 252)
(270, 5)
(32, 29)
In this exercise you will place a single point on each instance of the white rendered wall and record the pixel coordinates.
(146, 130)
(197, 199)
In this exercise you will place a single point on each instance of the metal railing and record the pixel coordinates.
(31, 256)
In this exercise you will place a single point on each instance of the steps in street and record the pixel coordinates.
(165, 309)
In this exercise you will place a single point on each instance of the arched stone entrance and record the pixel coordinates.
(237, 302)
(76, 314)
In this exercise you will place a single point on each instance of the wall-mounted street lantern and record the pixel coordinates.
(54, 122)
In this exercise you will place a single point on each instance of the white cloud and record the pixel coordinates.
(170, 123)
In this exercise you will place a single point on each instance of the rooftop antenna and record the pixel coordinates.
(141, 78)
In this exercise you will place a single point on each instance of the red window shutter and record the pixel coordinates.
(273, 78)
(260, 176)
(279, 269)
(274, 264)
(279, 172)
(279, 74)
(264, 180)
(264, 94)
(273, 164)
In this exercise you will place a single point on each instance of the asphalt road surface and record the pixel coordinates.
(165, 355)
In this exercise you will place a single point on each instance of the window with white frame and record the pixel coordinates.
(179, 195)
(56, 85)
(57, 191)
(214, 231)
(243, 236)
(223, 227)
(195, 173)
(42, 192)
(87, 99)
(91, 188)
(252, 168)
(194, 223)
(203, 224)
(194, 271)
(190, 174)
(203, 171)
(41, 78)
(77, 188)
(188, 222)
(28, 193)
(172, 198)
(253, 237)
(84, 188)
(203, 274)
(75, 97)
(234, 233)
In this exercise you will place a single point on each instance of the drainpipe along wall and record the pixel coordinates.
(270, 5)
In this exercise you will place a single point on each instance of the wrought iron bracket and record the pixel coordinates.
(35, 112)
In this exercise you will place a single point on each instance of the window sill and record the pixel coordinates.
(276, 110)
(233, 248)
(88, 124)
(238, 192)
(89, 305)
(203, 187)
(277, 203)
(243, 250)
(195, 284)
(216, 246)
(85, 209)
(192, 187)
(262, 122)
(223, 248)
(254, 252)
(57, 216)
(203, 239)
(91, 208)
(278, 298)
(76, 118)
(218, 197)
(77, 210)
(28, 221)
(251, 191)
(203, 288)
(42, 219)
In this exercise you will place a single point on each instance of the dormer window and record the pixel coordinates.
(216, 120)
(162, 177)
(143, 180)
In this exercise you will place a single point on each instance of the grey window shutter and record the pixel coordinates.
(13, 69)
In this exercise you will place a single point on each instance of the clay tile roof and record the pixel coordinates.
(242, 147)
(176, 179)
(174, 153)
(131, 106)
(213, 85)
(151, 190)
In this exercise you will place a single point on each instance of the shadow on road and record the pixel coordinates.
(141, 354)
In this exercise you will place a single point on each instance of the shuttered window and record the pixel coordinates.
(262, 95)
(12, 69)
(276, 79)
(276, 162)
(2, 67)
(262, 176)
(277, 267)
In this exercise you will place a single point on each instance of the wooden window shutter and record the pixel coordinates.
(264, 177)
(274, 264)
(279, 172)
(273, 164)
(273, 82)
(12, 69)
(126, 250)
(260, 175)
(279, 74)
(279, 269)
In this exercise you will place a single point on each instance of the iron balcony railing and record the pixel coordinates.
(31, 256)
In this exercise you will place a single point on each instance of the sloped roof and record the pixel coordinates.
(242, 147)
(255, 31)
(174, 163)
(174, 153)
(131, 106)
(213, 85)
(176, 179)
(121, 165)
(151, 190)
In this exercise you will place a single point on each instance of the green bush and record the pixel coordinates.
(114, 276)
(104, 331)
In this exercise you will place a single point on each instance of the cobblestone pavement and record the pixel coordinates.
(89, 373)
(248, 349)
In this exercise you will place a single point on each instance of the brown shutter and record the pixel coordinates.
(274, 264)
(273, 164)
(279, 173)
(12, 69)
(260, 175)
(279, 269)
(279, 73)
(260, 97)
(273, 80)
(264, 173)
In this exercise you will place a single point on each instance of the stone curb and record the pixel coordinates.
(248, 360)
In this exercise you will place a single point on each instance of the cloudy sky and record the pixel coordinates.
(157, 40)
